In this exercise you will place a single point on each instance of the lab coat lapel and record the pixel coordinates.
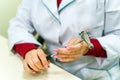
(51, 6)
(64, 4)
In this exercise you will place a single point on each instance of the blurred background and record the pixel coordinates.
(8, 9)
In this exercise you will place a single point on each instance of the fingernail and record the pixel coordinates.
(65, 46)
(34, 72)
(46, 67)
(56, 50)
(55, 56)
(68, 48)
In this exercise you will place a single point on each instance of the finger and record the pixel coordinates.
(74, 48)
(29, 60)
(68, 60)
(71, 58)
(65, 56)
(80, 48)
(27, 69)
(32, 65)
(70, 50)
(73, 40)
(79, 45)
(43, 59)
(62, 50)
(59, 55)
(37, 62)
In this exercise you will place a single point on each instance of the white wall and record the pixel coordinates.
(8, 10)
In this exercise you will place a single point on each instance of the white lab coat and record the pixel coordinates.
(57, 26)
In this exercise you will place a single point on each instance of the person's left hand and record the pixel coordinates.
(72, 52)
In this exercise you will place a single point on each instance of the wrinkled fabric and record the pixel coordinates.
(58, 25)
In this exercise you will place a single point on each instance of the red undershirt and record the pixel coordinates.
(58, 2)
(98, 51)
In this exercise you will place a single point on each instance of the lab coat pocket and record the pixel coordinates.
(100, 4)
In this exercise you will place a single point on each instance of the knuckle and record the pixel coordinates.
(37, 62)
(45, 62)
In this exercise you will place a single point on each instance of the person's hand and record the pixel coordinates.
(35, 61)
(72, 51)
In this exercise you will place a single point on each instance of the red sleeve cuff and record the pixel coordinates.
(23, 48)
(97, 51)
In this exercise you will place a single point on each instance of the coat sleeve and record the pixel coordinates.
(111, 39)
(21, 27)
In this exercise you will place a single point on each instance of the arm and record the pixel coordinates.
(73, 52)
(111, 39)
(21, 28)
(23, 48)
(21, 31)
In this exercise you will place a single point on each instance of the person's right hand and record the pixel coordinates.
(35, 61)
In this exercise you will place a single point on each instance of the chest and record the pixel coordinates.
(78, 15)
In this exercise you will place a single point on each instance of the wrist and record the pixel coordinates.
(97, 51)
(23, 48)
